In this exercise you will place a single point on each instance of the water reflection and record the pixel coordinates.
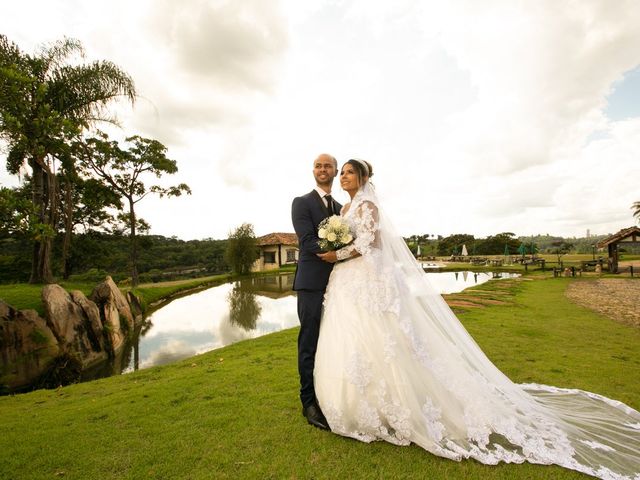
(453, 282)
(244, 309)
(230, 313)
(215, 317)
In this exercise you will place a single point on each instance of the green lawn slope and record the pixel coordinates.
(234, 412)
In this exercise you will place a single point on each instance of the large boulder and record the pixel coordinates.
(95, 331)
(115, 313)
(135, 306)
(75, 321)
(27, 347)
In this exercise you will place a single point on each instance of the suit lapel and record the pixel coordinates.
(320, 202)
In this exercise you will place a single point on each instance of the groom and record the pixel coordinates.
(312, 276)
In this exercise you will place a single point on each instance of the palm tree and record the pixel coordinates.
(46, 101)
(636, 210)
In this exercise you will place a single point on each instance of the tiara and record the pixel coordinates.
(363, 164)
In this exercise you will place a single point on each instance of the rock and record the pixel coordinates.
(75, 321)
(27, 347)
(134, 305)
(76, 331)
(115, 313)
(5, 309)
(95, 332)
(61, 313)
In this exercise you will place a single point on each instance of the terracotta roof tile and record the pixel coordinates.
(278, 239)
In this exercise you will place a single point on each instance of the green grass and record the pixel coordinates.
(234, 412)
(24, 296)
(545, 338)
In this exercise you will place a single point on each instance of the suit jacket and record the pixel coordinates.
(307, 212)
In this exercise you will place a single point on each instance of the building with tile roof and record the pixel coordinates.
(276, 250)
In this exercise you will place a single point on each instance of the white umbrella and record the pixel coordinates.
(464, 251)
(418, 252)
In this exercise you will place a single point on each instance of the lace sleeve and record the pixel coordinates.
(365, 222)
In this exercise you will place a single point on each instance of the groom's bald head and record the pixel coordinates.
(325, 157)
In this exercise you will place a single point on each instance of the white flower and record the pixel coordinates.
(333, 233)
(335, 222)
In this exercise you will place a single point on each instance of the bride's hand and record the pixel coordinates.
(330, 257)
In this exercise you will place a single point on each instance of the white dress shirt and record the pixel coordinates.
(323, 194)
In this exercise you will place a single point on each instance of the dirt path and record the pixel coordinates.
(616, 298)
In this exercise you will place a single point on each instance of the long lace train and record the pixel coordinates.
(394, 363)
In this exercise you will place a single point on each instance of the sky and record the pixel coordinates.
(478, 117)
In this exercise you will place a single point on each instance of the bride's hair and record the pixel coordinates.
(363, 169)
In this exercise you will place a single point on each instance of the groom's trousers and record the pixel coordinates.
(309, 313)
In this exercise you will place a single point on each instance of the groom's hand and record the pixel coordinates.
(330, 257)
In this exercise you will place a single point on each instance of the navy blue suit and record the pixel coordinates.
(310, 282)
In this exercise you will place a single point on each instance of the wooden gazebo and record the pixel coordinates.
(626, 236)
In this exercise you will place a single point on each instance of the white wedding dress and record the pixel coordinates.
(394, 363)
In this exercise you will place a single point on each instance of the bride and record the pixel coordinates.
(394, 363)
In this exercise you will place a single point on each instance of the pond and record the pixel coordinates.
(453, 282)
(216, 317)
(232, 312)
(240, 310)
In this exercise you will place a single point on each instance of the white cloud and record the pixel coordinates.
(479, 117)
(541, 70)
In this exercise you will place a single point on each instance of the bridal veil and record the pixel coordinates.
(395, 363)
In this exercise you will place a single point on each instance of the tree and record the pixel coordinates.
(45, 100)
(123, 171)
(454, 243)
(561, 248)
(15, 212)
(636, 210)
(241, 249)
(495, 244)
(85, 204)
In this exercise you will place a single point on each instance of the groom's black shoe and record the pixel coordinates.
(314, 416)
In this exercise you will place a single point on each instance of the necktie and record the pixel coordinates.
(329, 204)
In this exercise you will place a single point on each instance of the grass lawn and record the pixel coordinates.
(26, 296)
(234, 412)
(23, 296)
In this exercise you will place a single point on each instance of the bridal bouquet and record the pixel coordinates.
(334, 233)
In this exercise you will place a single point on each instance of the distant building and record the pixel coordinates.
(588, 233)
(276, 250)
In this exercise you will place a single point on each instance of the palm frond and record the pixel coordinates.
(56, 54)
(636, 210)
(84, 91)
